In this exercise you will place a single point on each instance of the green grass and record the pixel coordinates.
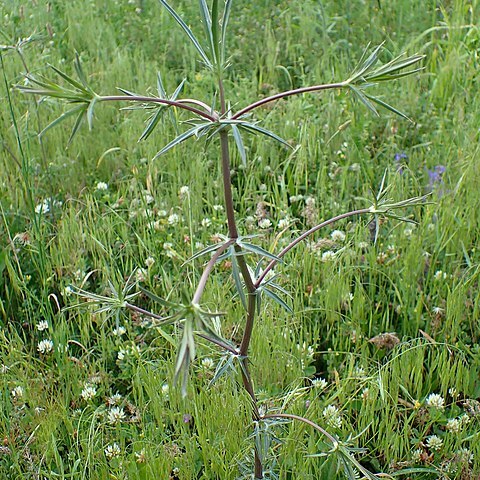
(94, 235)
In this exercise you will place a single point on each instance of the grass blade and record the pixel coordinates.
(189, 33)
(239, 142)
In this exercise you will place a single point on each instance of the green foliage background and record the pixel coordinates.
(52, 432)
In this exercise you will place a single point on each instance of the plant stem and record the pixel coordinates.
(304, 236)
(227, 186)
(208, 268)
(233, 234)
(288, 93)
(146, 99)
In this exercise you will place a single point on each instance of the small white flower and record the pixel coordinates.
(439, 275)
(183, 192)
(355, 167)
(148, 198)
(264, 223)
(88, 392)
(296, 198)
(42, 325)
(464, 455)
(102, 186)
(115, 415)
(283, 223)
(453, 392)
(310, 202)
(45, 346)
(363, 245)
(437, 310)
(435, 401)
(17, 392)
(165, 389)
(454, 425)
(4, 368)
(338, 236)
(434, 442)
(119, 331)
(149, 261)
(319, 383)
(141, 275)
(408, 232)
(206, 222)
(173, 219)
(112, 451)
(121, 354)
(328, 255)
(417, 455)
(332, 416)
(43, 207)
(218, 208)
(115, 399)
(207, 363)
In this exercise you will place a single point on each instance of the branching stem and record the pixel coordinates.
(173, 103)
(288, 93)
(304, 236)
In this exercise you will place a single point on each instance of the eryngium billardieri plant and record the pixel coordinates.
(205, 122)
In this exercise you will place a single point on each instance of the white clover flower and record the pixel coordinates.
(437, 310)
(121, 354)
(140, 275)
(88, 392)
(207, 363)
(206, 222)
(149, 261)
(296, 198)
(417, 455)
(464, 420)
(337, 236)
(183, 192)
(218, 208)
(332, 416)
(148, 198)
(43, 207)
(310, 202)
(162, 213)
(115, 399)
(165, 389)
(119, 331)
(328, 255)
(359, 372)
(363, 245)
(434, 400)
(454, 425)
(45, 346)
(112, 451)
(434, 442)
(173, 219)
(102, 186)
(115, 415)
(17, 392)
(453, 392)
(264, 223)
(465, 455)
(283, 223)
(319, 383)
(42, 325)
(439, 275)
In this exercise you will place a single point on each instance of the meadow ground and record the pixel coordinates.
(383, 344)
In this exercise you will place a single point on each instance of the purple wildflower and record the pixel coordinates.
(399, 156)
(435, 176)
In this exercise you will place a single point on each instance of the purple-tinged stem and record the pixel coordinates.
(146, 99)
(303, 237)
(288, 93)
(208, 268)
